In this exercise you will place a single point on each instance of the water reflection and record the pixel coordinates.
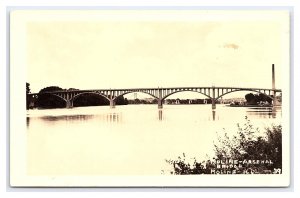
(116, 116)
(67, 118)
(113, 117)
(160, 115)
(109, 117)
(263, 112)
(80, 137)
(214, 115)
(27, 121)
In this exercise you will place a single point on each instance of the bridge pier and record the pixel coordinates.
(69, 104)
(213, 99)
(274, 98)
(112, 103)
(213, 104)
(160, 103)
(160, 100)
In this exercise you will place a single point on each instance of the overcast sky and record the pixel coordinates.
(129, 53)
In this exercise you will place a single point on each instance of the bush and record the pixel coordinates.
(245, 152)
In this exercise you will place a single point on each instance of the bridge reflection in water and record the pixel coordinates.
(162, 117)
(108, 117)
(116, 117)
(269, 112)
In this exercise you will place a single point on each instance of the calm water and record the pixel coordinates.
(132, 139)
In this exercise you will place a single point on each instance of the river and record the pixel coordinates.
(130, 139)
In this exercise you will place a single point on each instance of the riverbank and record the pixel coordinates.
(233, 105)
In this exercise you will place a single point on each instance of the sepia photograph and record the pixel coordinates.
(150, 98)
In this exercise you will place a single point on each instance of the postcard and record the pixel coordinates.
(192, 98)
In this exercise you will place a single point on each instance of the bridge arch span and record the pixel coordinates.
(251, 90)
(135, 92)
(61, 101)
(166, 96)
(92, 92)
(58, 96)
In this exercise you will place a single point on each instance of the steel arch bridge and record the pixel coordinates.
(213, 93)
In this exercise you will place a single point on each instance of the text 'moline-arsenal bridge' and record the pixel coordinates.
(213, 93)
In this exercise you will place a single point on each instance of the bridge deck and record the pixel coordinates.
(159, 88)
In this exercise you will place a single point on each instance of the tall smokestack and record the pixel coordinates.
(273, 76)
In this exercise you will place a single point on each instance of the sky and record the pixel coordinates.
(142, 49)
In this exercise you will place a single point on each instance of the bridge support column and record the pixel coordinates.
(274, 98)
(112, 103)
(69, 104)
(213, 99)
(213, 104)
(160, 103)
(159, 100)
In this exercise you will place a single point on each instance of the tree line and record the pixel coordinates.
(48, 101)
(254, 99)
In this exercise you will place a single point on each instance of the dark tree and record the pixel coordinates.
(48, 100)
(126, 101)
(89, 99)
(28, 98)
(256, 99)
(154, 101)
(137, 101)
(264, 98)
(51, 88)
(27, 88)
(273, 147)
(121, 101)
(250, 98)
(253, 99)
(72, 89)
